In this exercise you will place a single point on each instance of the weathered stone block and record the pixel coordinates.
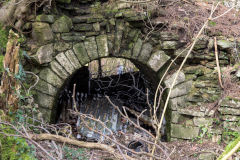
(169, 79)
(168, 36)
(83, 27)
(191, 112)
(62, 46)
(95, 18)
(137, 48)
(64, 1)
(46, 88)
(202, 121)
(181, 89)
(102, 44)
(234, 126)
(44, 100)
(59, 70)
(42, 32)
(46, 114)
(118, 36)
(45, 54)
(180, 131)
(225, 44)
(50, 77)
(177, 102)
(230, 118)
(206, 156)
(157, 60)
(63, 24)
(91, 48)
(73, 38)
(63, 60)
(201, 43)
(230, 103)
(81, 53)
(145, 53)
(73, 59)
(45, 18)
(170, 45)
(96, 27)
(229, 111)
(80, 19)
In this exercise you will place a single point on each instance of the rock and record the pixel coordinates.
(46, 113)
(157, 60)
(225, 44)
(180, 131)
(191, 112)
(170, 45)
(177, 102)
(118, 36)
(80, 19)
(169, 79)
(91, 47)
(64, 61)
(50, 77)
(230, 118)
(45, 18)
(62, 46)
(137, 48)
(102, 45)
(59, 70)
(81, 53)
(45, 54)
(42, 33)
(83, 27)
(63, 24)
(206, 156)
(201, 43)
(178, 118)
(202, 121)
(181, 89)
(168, 36)
(46, 88)
(96, 27)
(64, 1)
(229, 111)
(95, 18)
(145, 53)
(73, 59)
(238, 73)
(231, 103)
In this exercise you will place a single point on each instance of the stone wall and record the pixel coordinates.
(75, 33)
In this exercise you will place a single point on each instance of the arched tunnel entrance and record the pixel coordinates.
(124, 84)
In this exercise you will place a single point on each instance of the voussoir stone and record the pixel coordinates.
(73, 59)
(42, 32)
(62, 46)
(63, 24)
(49, 76)
(45, 54)
(137, 48)
(91, 47)
(145, 53)
(102, 44)
(157, 60)
(59, 70)
(81, 53)
(63, 60)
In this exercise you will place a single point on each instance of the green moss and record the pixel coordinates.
(1, 64)
(3, 38)
(229, 147)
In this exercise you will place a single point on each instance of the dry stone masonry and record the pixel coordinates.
(78, 32)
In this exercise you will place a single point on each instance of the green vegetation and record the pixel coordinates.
(77, 154)
(229, 147)
(1, 64)
(3, 38)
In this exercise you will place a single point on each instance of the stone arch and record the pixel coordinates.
(65, 63)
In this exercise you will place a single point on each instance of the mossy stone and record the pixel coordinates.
(42, 32)
(63, 24)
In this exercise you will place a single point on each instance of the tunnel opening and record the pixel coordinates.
(121, 81)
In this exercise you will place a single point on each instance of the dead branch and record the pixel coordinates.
(217, 62)
(90, 145)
